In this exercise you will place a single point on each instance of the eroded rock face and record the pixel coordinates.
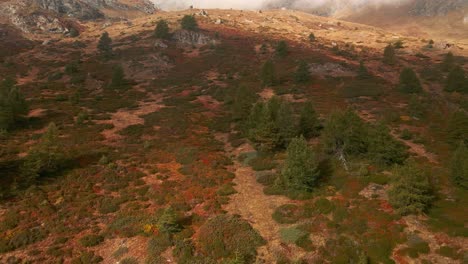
(71, 8)
(192, 38)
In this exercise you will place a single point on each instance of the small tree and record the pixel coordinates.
(282, 49)
(411, 193)
(168, 221)
(104, 45)
(263, 131)
(285, 124)
(449, 62)
(189, 23)
(409, 81)
(389, 55)
(162, 30)
(312, 37)
(45, 157)
(301, 171)
(302, 74)
(118, 78)
(243, 101)
(12, 104)
(456, 80)
(459, 166)
(267, 74)
(309, 123)
(363, 73)
(458, 128)
(384, 149)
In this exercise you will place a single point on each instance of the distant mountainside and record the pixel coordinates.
(334, 7)
(33, 16)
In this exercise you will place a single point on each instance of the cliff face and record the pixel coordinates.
(56, 16)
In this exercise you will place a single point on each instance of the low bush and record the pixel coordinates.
(287, 214)
(262, 163)
(292, 235)
(91, 240)
(266, 179)
(226, 190)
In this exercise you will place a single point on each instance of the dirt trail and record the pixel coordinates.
(254, 206)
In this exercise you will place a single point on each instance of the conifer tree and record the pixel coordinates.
(267, 74)
(264, 132)
(449, 62)
(243, 101)
(189, 23)
(118, 78)
(12, 104)
(363, 73)
(104, 45)
(302, 74)
(300, 171)
(409, 81)
(389, 55)
(45, 157)
(282, 49)
(411, 193)
(384, 148)
(312, 37)
(458, 128)
(285, 123)
(162, 30)
(459, 166)
(168, 221)
(309, 123)
(456, 80)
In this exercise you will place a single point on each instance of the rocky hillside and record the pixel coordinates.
(59, 16)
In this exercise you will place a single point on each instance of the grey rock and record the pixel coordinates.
(192, 38)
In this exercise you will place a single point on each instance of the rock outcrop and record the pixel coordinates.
(192, 38)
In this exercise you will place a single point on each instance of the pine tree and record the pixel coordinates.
(12, 104)
(302, 74)
(104, 45)
(267, 74)
(282, 49)
(345, 134)
(118, 78)
(168, 221)
(264, 132)
(285, 123)
(363, 73)
(301, 171)
(162, 30)
(457, 81)
(189, 23)
(458, 128)
(459, 166)
(384, 148)
(409, 81)
(45, 157)
(449, 62)
(389, 55)
(309, 123)
(411, 193)
(242, 103)
(312, 37)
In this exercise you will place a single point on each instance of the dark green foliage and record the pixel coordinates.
(167, 222)
(189, 23)
(104, 45)
(282, 49)
(109, 205)
(292, 235)
(12, 104)
(363, 73)
(384, 148)
(87, 258)
(411, 192)
(271, 125)
(162, 30)
(456, 80)
(74, 32)
(449, 62)
(398, 44)
(458, 128)
(300, 172)
(262, 163)
(309, 124)
(267, 74)
(91, 240)
(389, 55)
(459, 166)
(10, 220)
(45, 157)
(118, 78)
(345, 133)
(225, 236)
(302, 74)
(312, 37)
(242, 103)
(409, 81)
